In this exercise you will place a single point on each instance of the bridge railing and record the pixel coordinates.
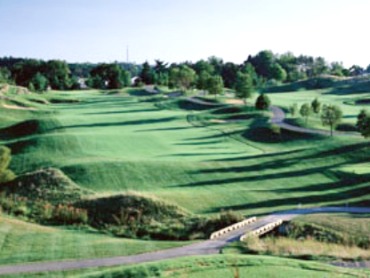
(262, 230)
(233, 227)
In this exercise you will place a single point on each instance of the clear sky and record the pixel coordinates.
(179, 30)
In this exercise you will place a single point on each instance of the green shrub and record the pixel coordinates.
(5, 157)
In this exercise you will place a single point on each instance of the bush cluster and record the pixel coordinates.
(42, 211)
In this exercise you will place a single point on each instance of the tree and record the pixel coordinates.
(316, 106)
(331, 116)
(108, 76)
(4, 75)
(263, 62)
(263, 102)
(319, 66)
(243, 86)
(356, 70)
(229, 72)
(202, 80)
(58, 74)
(215, 85)
(147, 74)
(217, 64)
(160, 73)
(305, 111)
(39, 83)
(363, 123)
(182, 77)
(248, 68)
(293, 109)
(278, 72)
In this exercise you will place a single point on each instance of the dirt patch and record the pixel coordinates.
(16, 107)
(234, 101)
(217, 121)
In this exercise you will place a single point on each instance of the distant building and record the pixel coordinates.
(82, 83)
(135, 80)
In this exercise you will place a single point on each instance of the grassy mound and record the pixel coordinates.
(110, 209)
(138, 216)
(47, 184)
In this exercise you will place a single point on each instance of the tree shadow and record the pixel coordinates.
(136, 122)
(164, 129)
(260, 178)
(21, 146)
(22, 129)
(123, 112)
(256, 157)
(337, 198)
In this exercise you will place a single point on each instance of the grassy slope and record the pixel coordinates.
(325, 96)
(218, 267)
(24, 242)
(115, 143)
(355, 225)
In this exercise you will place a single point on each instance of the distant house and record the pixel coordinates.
(135, 80)
(82, 83)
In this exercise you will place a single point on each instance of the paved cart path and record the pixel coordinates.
(278, 118)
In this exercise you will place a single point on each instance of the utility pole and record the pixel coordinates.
(127, 57)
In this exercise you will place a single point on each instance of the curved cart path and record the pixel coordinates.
(201, 248)
(279, 117)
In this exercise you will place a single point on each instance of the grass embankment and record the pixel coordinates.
(218, 266)
(25, 242)
(47, 196)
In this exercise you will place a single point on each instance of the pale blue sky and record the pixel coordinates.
(179, 30)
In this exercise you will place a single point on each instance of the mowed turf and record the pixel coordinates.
(114, 143)
(22, 242)
(217, 266)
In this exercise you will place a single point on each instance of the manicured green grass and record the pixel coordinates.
(218, 266)
(118, 143)
(115, 142)
(325, 96)
(25, 242)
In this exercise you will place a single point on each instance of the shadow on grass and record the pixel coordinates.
(22, 129)
(21, 146)
(123, 112)
(136, 122)
(256, 157)
(261, 178)
(336, 197)
(140, 93)
(199, 143)
(199, 154)
(164, 129)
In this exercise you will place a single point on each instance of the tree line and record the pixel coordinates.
(212, 74)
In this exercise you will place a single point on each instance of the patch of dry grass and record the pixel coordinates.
(287, 247)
